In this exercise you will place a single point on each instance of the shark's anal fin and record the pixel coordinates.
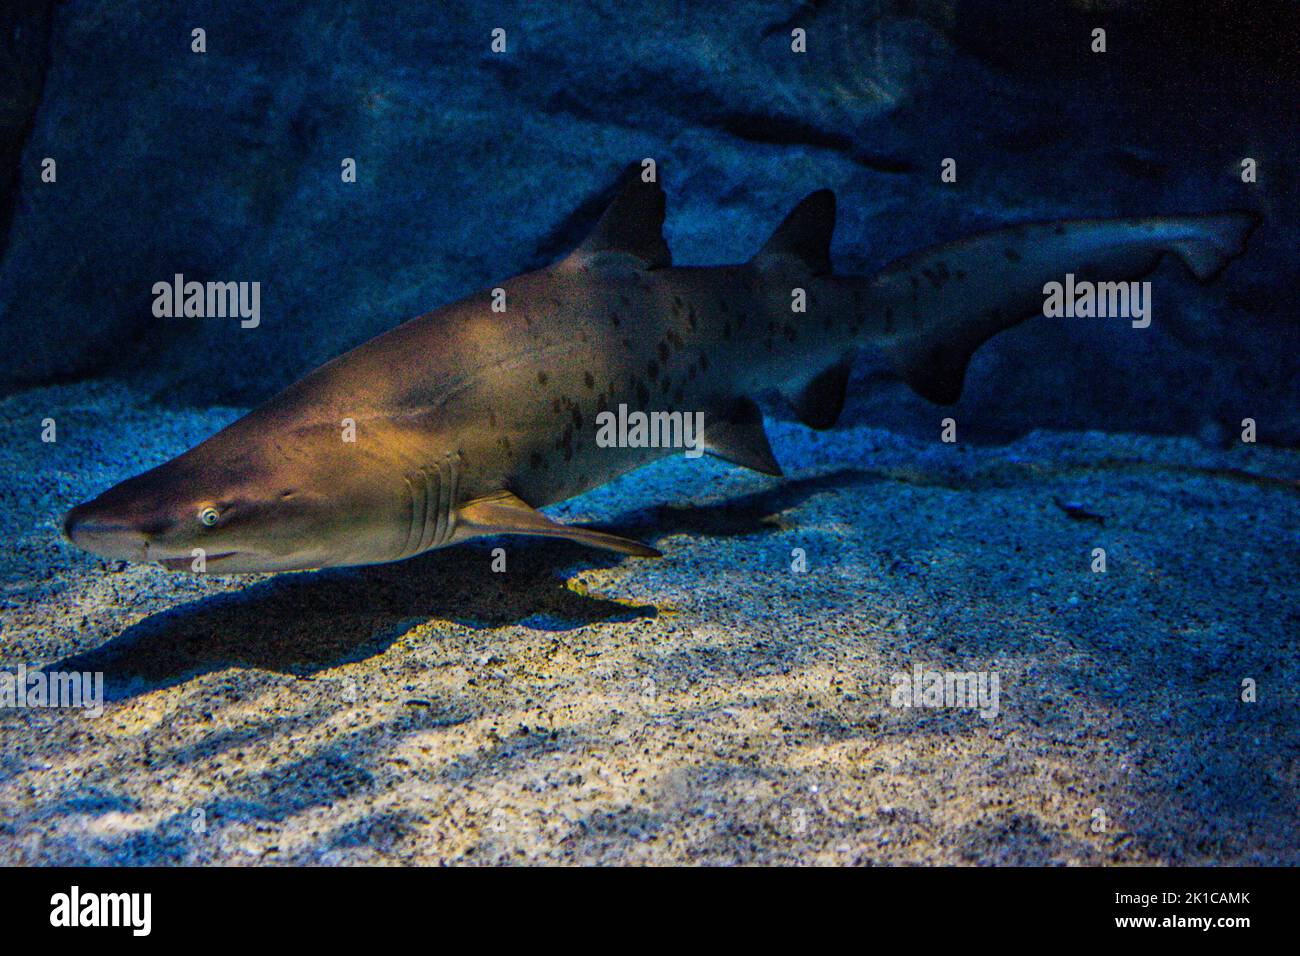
(937, 370)
(505, 513)
(820, 402)
(734, 432)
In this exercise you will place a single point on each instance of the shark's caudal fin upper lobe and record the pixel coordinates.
(952, 299)
(940, 305)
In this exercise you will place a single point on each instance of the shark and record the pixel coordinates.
(464, 422)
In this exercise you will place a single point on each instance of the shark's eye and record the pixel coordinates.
(209, 516)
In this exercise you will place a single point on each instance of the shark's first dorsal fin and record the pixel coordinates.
(505, 513)
(633, 223)
(806, 233)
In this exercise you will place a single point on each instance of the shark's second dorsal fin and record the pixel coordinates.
(633, 223)
(805, 234)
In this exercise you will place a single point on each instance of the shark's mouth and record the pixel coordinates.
(187, 564)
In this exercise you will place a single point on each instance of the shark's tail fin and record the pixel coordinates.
(942, 304)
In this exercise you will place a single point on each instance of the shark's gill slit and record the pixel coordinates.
(412, 537)
(428, 518)
(439, 500)
(447, 511)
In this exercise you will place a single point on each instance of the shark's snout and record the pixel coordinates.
(104, 535)
(71, 521)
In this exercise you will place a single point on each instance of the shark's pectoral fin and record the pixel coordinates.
(734, 432)
(505, 513)
(820, 402)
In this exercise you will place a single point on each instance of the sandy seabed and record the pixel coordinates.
(714, 706)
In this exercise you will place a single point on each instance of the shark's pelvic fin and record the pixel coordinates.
(504, 513)
(734, 433)
(805, 234)
(632, 224)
